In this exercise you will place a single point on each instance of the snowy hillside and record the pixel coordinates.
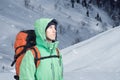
(72, 21)
(97, 58)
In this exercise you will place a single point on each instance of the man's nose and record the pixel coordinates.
(54, 30)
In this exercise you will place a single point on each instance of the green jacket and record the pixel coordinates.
(50, 68)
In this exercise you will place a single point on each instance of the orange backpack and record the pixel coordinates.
(26, 40)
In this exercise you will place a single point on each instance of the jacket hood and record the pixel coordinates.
(40, 26)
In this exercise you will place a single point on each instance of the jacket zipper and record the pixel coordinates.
(53, 72)
(52, 66)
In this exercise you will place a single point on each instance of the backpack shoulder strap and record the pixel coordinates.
(16, 56)
(36, 54)
(58, 52)
(51, 56)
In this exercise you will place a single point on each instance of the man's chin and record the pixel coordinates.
(51, 39)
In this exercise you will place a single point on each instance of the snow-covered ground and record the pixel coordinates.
(92, 59)
(97, 58)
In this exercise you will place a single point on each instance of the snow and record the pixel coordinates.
(96, 57)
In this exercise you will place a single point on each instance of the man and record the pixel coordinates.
(50, 68)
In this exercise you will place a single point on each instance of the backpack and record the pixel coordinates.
(26, 40)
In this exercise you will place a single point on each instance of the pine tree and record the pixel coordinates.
(84, 3)
(78, 1)
(27, 2)
(90, 1)
(72, 2)
(87, 13)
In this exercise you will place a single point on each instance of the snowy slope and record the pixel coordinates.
(72, 20)
(94, 59)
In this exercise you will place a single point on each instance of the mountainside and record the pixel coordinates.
(17, 16)
(94, 59)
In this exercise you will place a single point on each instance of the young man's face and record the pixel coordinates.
(51, 33)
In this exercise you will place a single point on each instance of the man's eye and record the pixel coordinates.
(50, 26)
